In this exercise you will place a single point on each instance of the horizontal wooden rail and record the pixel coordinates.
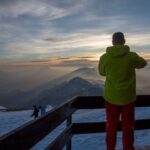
(29, 134)
(99, 127)
(93, 102)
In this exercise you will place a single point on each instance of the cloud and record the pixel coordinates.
(34, 8)
(79, 40)
(53, 62)
(77, 63)
(139, 39)
(50, 10)
(145, 55)
(63, 58)
(72, 45)
(35, 29)
(75, 58)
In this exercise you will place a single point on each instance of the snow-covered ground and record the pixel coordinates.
(11, 120)
(2, 108)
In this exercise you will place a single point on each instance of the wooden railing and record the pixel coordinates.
(29, 134)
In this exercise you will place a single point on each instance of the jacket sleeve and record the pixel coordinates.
(101, 66)
(139, 62)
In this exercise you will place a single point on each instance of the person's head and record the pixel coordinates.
(118, 38)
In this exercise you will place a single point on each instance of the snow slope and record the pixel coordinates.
(11, 120)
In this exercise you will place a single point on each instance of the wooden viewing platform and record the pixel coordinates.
(27, 135)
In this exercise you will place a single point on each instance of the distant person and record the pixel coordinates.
(118, 64)
(35, 113)
(42, 110)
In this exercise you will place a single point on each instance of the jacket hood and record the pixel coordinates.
(118, 50)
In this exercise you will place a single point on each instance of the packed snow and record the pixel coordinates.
(11, 120)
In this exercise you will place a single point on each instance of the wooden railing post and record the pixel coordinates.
(69, 144)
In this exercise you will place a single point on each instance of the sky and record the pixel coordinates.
(69, 31)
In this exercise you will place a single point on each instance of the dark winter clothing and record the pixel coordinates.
(35, 112)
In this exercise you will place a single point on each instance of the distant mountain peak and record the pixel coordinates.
(78, 81)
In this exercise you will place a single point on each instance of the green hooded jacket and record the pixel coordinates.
(118, 64)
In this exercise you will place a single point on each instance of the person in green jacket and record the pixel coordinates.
(118, 64)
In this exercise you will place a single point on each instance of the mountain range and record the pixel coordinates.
(69, 89)
(81, 82)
